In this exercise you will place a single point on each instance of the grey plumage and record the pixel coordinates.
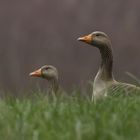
(104, 83)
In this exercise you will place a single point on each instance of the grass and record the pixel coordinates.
(69, 118)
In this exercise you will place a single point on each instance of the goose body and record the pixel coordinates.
(104, 83)
(49, 73)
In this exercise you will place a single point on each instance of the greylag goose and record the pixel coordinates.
(104, 83)
(49, 73)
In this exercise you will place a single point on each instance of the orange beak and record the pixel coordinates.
(87, 38)
(36, 73)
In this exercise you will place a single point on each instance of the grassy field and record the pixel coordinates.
(69, 118)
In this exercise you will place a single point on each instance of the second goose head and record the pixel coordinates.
(47, 72)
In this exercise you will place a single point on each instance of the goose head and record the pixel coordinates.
(47, 72)
(97, 39)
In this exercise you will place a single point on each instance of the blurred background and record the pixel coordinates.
(38, 32)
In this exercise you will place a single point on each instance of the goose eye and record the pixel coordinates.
(97, 35)
(47, 68)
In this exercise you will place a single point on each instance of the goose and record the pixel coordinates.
(49, 73)
(104, 83)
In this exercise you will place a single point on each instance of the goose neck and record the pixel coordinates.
(54, 85)
(105, 70)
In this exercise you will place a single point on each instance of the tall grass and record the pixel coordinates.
(69, 118)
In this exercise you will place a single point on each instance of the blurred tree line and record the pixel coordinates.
(38, 32)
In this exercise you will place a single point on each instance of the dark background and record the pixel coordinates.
(38, 32)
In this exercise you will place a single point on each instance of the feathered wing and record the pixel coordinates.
(123, 89)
